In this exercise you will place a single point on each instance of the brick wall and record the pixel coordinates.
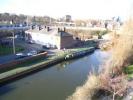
(67, 42)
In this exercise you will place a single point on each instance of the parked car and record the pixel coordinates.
(31, 53)
(20, 55)
(53, 46)
(48, 46)
(31, 42)
(45, 47)
(19, 36)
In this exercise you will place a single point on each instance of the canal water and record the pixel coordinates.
(56, 82)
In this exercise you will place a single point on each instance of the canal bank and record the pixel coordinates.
(55, 83)
(25, 70)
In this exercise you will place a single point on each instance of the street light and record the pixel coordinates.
(13, 43)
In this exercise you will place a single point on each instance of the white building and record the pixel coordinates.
(54, 38)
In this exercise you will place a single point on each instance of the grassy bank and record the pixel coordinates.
(129, 71)
(55, 56)
(41, 63)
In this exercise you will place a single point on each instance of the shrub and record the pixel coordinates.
(86, 91)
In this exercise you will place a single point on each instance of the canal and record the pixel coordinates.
(56, 82)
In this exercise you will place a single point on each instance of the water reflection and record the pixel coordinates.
(64, 64)
(6, 89)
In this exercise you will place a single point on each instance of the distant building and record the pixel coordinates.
(65, 21)
(65, 24)
(68, 18)
(113, 24)
(51, 37)
(89, 24)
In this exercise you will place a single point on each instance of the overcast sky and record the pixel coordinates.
(77, 8)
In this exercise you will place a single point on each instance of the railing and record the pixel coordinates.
(14, 28)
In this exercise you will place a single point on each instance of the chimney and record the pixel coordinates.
(39, 28)
(48, 29)
(64, 29)
(32, 27)
(58, 29)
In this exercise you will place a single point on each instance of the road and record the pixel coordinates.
(25, 45)
(28, 47)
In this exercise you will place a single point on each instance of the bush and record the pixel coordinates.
(86, 91)
(4, 50)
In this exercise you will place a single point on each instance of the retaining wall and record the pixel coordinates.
(20, 61)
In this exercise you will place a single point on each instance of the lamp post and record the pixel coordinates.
(13, 43)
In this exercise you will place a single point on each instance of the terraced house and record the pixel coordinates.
(54, 38)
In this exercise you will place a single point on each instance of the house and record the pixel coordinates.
(55, 38)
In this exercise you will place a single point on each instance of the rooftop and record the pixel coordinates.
(49, 32)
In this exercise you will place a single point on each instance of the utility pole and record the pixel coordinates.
(13, 43)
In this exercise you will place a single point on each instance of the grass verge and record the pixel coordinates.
(129, 71)
(4, 50)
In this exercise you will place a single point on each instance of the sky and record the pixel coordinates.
(78, 9)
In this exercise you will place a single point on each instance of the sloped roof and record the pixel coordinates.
(51, 32)
(43, 31)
